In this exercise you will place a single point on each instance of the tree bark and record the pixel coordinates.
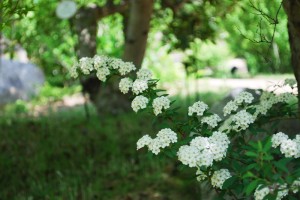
(292, 9)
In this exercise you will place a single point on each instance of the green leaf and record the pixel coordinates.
(267, 146)
(251, 166)
(281, 164)
(248, 174)
(251, 154)
(229, 182)
(251, 187)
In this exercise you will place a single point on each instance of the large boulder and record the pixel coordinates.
(19, 80)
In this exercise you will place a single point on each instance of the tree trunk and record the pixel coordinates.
(107, 98)
(84, 25)
(138, 26)
(110, 100)
(292, 9)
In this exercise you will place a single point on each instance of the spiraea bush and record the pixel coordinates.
(238, 156)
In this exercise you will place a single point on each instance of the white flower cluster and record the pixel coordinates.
(102, 65)
(102, 73)
(86, 65)
(139, 86)
(267, 100)
(285, 98)
(211, 120)
(261, 192)
(219, 177)
(278, 138)
(139, 102)
(242, 120)
(144, 74)
(202, 151)
(126, 68)
(163, 139)
(290, 148)
(282, 191)
(229, 108)
(160, 103)
(73, 70)
(243, 97)
(295, 185)
(263, 107)
(198, 108)
(125, 84)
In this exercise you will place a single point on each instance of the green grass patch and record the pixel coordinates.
(64, 155)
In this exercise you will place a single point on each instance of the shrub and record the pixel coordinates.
(240, 156)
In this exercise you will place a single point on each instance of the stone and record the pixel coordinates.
(19, 80)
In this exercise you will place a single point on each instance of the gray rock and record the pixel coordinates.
(19, 80)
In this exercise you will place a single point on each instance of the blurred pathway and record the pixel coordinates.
(215, 85)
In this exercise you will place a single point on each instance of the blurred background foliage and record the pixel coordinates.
(202, 33)
(65, 155)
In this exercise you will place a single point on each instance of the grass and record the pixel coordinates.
(64, 155)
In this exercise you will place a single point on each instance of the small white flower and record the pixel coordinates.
(125, 84)
(211, 120)
(139, 86)
(261, 192)
(143, 141)
(160, 103)
(198, 108)
(139, 102)
(144, 74)
(229, 108)
(219, 177)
